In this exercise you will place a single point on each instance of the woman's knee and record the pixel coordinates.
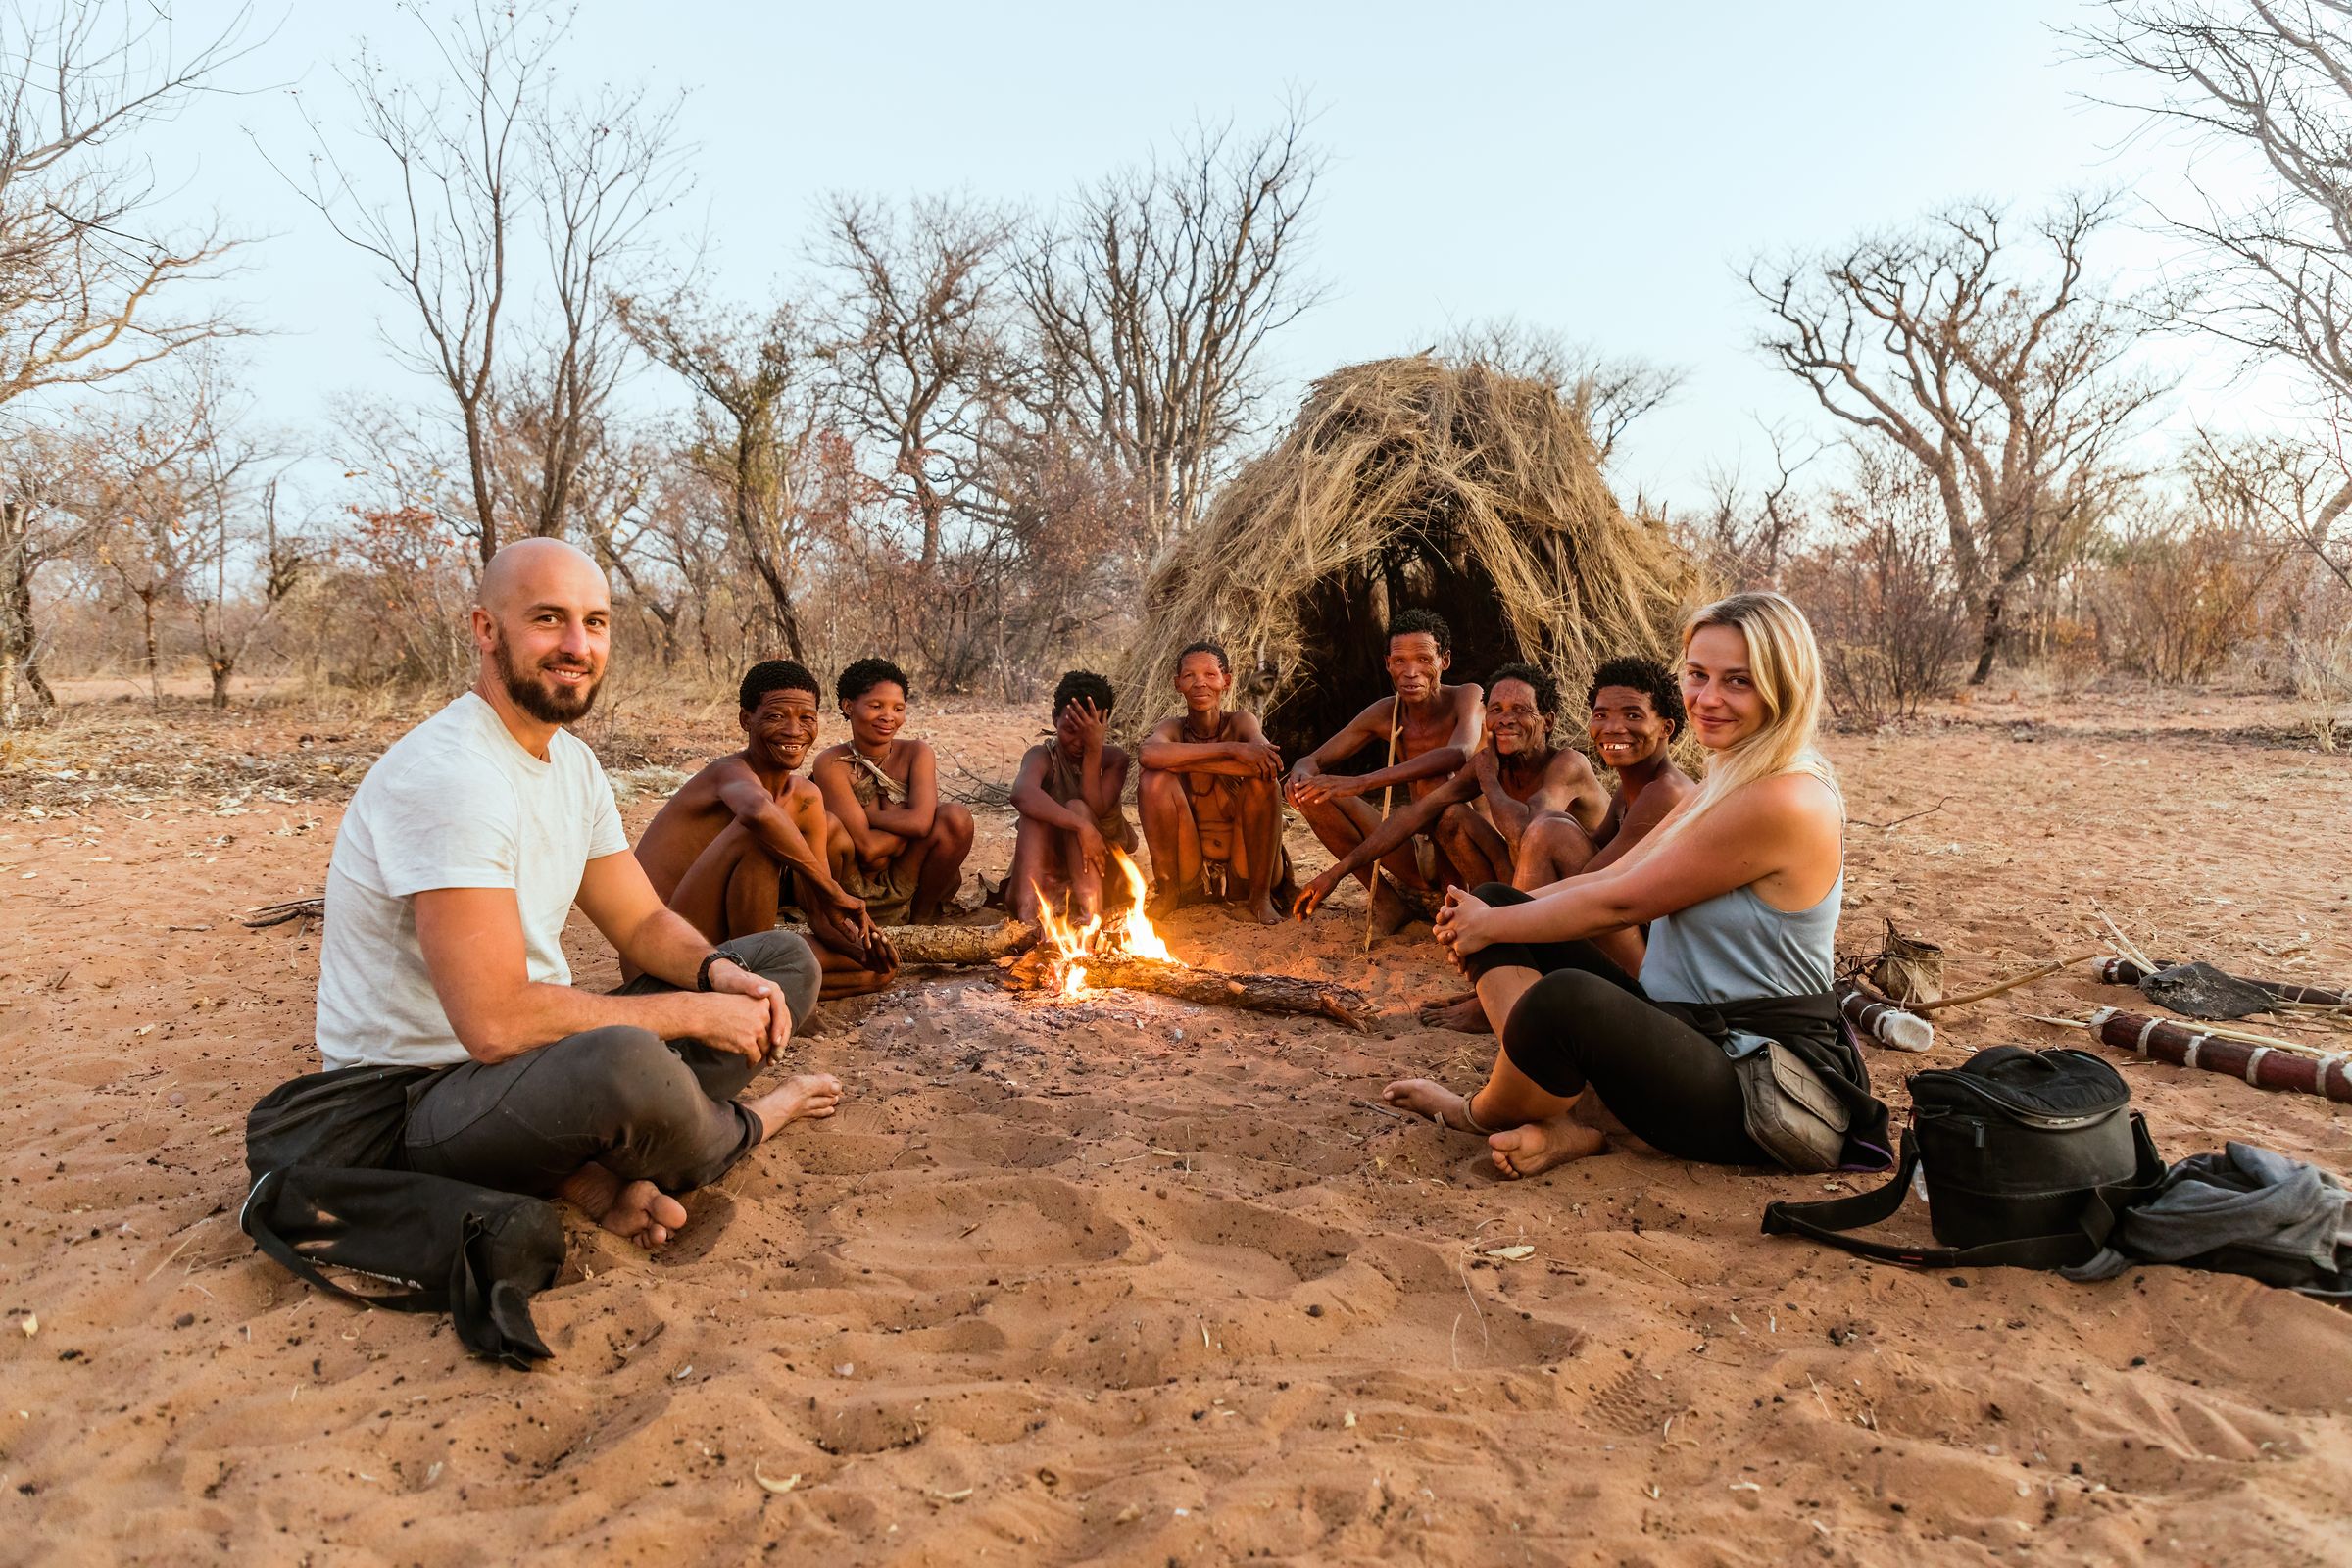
(1159, 789)
(1556, 1025)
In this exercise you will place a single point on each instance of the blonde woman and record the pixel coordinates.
(1740, 887)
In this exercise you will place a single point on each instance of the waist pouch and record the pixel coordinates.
(323, 1153)
(1805, 1091)
(1788, 1111)
(2028, 1158)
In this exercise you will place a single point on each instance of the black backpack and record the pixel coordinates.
(2030, 1158)
(323, 1153)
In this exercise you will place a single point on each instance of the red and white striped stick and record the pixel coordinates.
(2184, 1045)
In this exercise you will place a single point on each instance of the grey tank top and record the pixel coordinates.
(1734, 947)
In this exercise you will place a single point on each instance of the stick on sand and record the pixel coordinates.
(1372, 882)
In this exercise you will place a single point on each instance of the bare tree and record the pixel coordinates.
(458, 162)
(1152, 294)
(1610, 392)
(762, 426)
(2274, 78)
(917, 347)
(82, 279)
(608, 168)
(1745, 538)
(234, 532)
(2279, 487)
(38, 525)
(2007, 388)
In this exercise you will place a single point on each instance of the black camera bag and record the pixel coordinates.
(2029, 1156)
(329, 1191)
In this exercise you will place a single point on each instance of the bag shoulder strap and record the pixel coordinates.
(1827, 1221)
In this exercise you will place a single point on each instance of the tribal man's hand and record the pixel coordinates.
(1090, 849)
(1310, 897)
(1265, 757)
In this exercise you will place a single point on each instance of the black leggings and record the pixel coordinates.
(1588, 1021)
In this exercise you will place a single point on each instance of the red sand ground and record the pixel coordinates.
(1129, 1280)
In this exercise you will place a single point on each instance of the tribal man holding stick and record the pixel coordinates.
(1431, 728)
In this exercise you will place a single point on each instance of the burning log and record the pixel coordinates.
(1129, 952)
(1041, 969)
(2264, 1061)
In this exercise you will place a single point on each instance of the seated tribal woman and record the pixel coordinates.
(1741, 886)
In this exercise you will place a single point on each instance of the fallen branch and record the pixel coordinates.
(2263, 1060)
(1037, 970)
(956, 943)
(269, 915)
(2041, 971)
(1900, 820)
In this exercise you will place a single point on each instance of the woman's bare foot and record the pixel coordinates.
(809, 1097)
(1262, 910)
(1464, 1012)
(1535, 1147)
(637, 1211)
(1425, 1097)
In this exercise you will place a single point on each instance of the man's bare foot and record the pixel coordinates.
(1425, 1097)
(1535, 1147)
(1464, 1012)
(808, 1097)
(638, 1212)
(1262, 910)
(1164, 902)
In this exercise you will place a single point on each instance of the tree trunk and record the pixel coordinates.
(1996, 600)
(154, 674)
(220, 673)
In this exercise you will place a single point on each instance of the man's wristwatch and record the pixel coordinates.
(702, 976)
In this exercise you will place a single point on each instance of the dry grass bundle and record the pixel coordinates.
(1410, 482)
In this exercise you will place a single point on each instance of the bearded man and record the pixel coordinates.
(454, 868)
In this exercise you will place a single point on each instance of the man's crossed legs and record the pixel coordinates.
(618, 1119)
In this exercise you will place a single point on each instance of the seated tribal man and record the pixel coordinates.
(455, 866)
(1067, 796)
(1211, 796)
(894, 841)
(1637, 711)
(746, 834)
(1429, 729)
(1480, 818)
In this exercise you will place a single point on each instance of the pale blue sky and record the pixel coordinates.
(1602, 169)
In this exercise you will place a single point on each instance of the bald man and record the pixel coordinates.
(454, 867)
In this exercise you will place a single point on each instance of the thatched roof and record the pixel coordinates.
(1410, 482)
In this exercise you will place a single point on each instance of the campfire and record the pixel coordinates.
(1075, 961)
(1130, 935)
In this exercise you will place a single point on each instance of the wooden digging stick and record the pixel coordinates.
(1372, 882)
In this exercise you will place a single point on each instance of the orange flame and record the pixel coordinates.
(1132, 935)
(1136, 935)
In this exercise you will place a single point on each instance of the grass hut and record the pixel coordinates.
(1410, 482)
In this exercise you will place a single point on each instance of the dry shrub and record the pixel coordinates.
(2181, 590)
(1883, 598)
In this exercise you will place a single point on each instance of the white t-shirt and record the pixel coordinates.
(456, 803)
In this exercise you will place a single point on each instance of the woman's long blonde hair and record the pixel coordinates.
(1784, 662)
